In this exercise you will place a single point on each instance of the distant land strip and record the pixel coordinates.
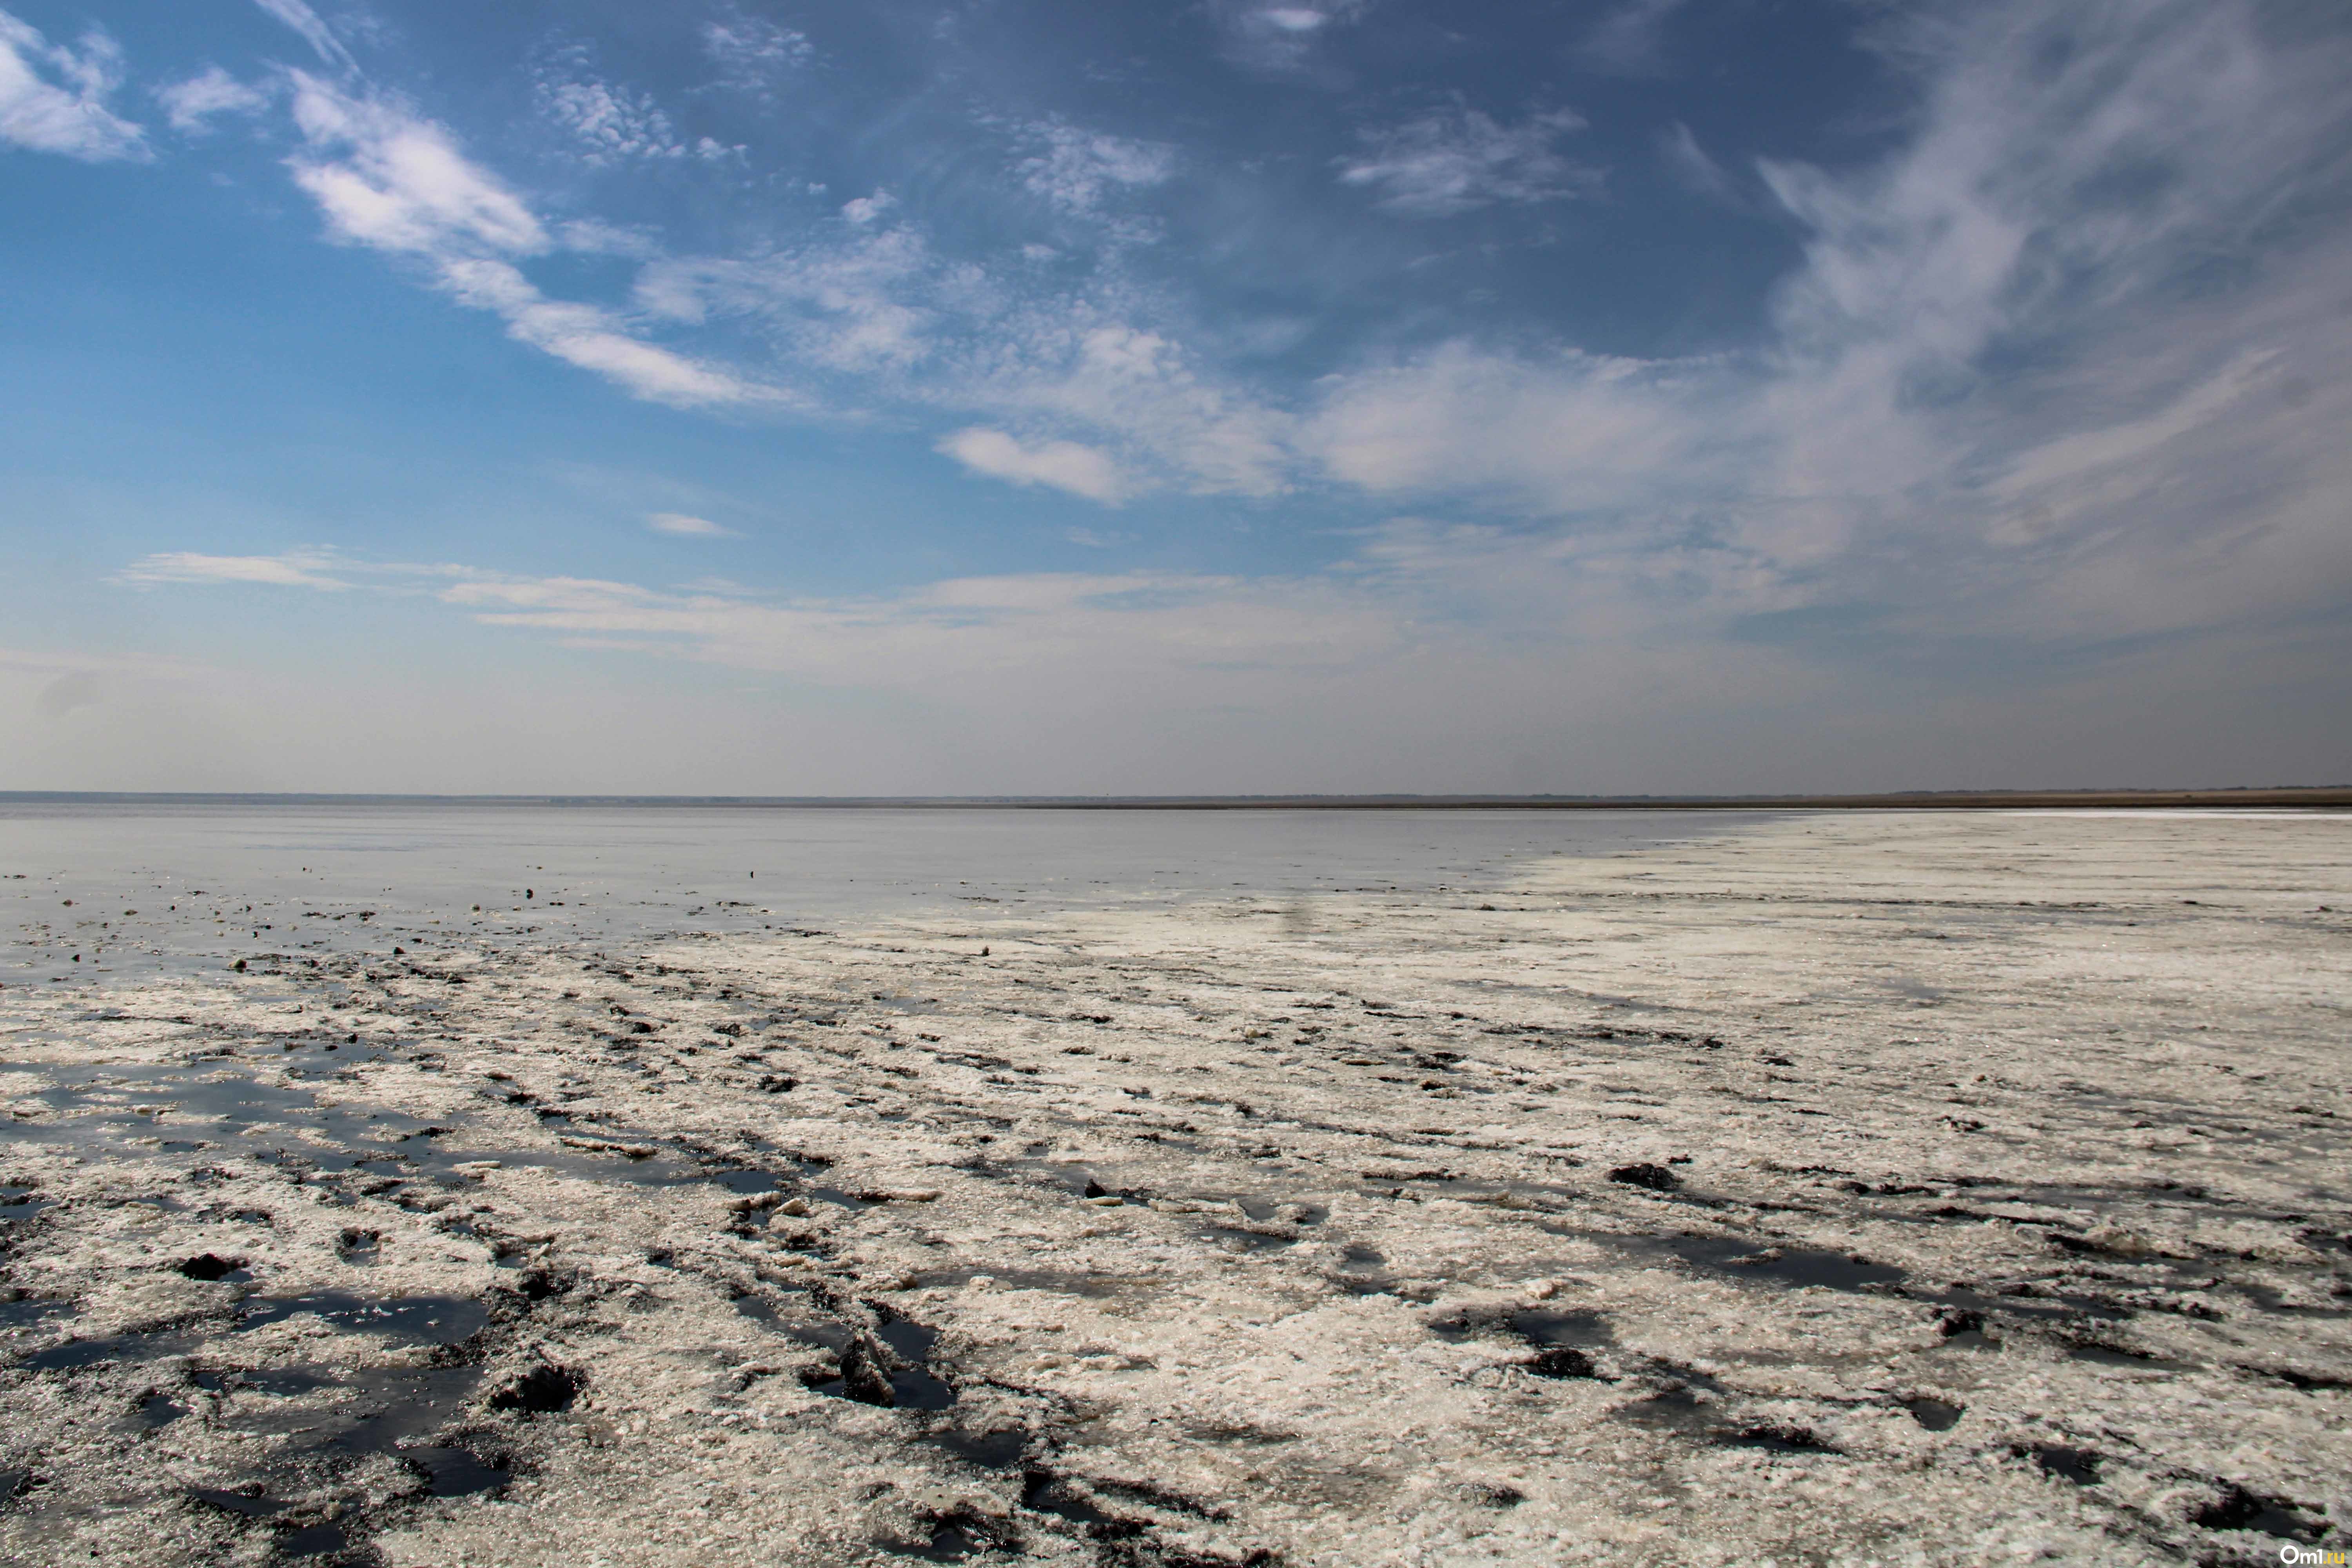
(2307, 797)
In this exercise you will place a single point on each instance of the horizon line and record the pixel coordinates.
(2309, 795)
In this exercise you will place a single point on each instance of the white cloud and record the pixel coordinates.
(1445, 164)
(1140, 390)
(752, 52)
(305, 21)
(53, 97)
(192, 104)
(594, 339)
(300, 569)
(1074, 169)
(614, 124)
(1573, 434)
(2007, 387)
(1065, 465)
(688, 526)
(386, 177)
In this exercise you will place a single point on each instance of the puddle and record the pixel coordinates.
(1792, 1267)
(899, 1376)
(1777, 1440)
(1561, 1338)
(158, 1410)
(32, 1313)
(1672, 1409)
(456, 1472)
(74, 1354)
(1935, 1414)
(245, 1505)
(2079, 1466)
(417, 1320)
(1043, 1491)
(2238, 1509)
(914, 1385)
(312, 1540)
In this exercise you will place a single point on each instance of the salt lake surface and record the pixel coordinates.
(1837, 1188)
(263, 874)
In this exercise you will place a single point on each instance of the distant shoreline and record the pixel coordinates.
(2311, 797)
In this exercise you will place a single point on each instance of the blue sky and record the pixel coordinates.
(1600, 395)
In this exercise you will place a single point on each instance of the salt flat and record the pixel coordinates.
(1842, 1188)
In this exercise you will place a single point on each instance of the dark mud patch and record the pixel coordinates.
(2238, 1509)
(1794, 1268)
(1777, 1439)
(999, 1450)
(250, 1502)
(541, 1391)
(888, 1366)
(2080, 1467)
(1562, 1338)
(455, 1470)
(1935, 1414)
(1674, 1409)
(156, 1410)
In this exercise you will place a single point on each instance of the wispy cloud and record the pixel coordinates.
(299, 569)
(53, 97)
(1278, 34)
(386, 177)
(1065, 465)
(298, 15)
(752, 52)
(1074, 169)
(686, 526)
(1630, 40)
(1456, 161)
(968, 624)
(192, 104)
(2161, 462)
(1691, 166)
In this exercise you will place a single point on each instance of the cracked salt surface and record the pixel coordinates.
(1639, 1217)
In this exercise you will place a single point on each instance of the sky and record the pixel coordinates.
(1047, 397)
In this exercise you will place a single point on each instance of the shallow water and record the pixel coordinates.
(92, 887)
